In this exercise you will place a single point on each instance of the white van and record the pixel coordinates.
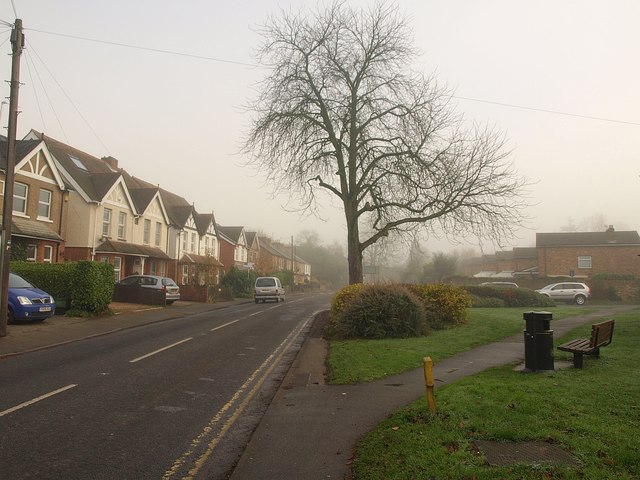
(268, 288)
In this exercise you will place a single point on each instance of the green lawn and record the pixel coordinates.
(357, 361)
(592, 413)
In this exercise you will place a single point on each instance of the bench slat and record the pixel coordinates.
(601, 335)
(579, 344)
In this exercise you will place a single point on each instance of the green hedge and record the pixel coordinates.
(491, 296)
(84, 285)
(383, 311)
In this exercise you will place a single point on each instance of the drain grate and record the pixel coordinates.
(510, 453)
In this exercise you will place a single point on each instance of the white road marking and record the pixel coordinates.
(35, 400)
(160, 350)
(225, 325)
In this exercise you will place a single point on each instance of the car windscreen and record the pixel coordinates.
(168, 282)
(18, 282)
(266, 282)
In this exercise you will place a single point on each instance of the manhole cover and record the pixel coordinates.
(509, 453)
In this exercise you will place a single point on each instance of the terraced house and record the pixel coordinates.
(40, 202)
(69, 205)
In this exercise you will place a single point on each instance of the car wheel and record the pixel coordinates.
(256, 300)
(169, 302)
(580, 299)
(10, 317)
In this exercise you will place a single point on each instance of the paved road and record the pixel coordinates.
(163, 400)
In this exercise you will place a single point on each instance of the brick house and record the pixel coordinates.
(585, 254)
(233, 247)
(40, 195)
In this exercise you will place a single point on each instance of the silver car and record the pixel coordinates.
(570, 292)
(268, 288)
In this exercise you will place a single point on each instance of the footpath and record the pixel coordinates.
(310, 429)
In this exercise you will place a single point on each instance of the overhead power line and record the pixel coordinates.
(245, 64)
(555, 112)
(149, 49)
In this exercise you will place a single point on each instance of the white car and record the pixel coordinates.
(268, 288)
(570, 292)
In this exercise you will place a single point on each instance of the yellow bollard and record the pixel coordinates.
(428, 377)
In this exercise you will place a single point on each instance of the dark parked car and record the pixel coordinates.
(166, 284)
(27, 302)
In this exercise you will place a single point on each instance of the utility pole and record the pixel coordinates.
(17, 42)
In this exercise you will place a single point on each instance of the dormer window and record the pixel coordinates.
(78, 163)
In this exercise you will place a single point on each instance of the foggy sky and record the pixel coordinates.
(177, 120)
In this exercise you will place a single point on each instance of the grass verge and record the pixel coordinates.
(358, 361)
(592, 413)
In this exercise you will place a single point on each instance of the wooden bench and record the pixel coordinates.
(601, 336)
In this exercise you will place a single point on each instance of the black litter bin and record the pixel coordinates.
(538, 341)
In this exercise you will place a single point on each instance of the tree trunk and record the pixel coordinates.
(354, 251)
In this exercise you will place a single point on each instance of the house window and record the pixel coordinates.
(158, 233)
(184, 241)
(48, 254)
(117, 266)
(152, 267)
(163, 268)
(193, 242)
(206, 245)
(31, 252)
(185, 274)
(44, 204)
(20, 192)
(584, 261)
(122, 225)
(147, 231)
(106, 222)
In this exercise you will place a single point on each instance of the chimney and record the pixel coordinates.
(610, 232)
(112, 162)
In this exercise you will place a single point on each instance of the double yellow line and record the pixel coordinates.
(212, 432)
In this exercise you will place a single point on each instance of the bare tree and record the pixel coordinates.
(341, 112)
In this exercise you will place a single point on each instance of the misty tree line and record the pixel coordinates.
(395, 263)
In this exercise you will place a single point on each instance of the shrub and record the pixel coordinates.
(383, 311)
(241, 282)
(92, 286)
(340, 302)
(53, 278)
(487, 302)
(509, 297)
(445, 305)
(85, 285)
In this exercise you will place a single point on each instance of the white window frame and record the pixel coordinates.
(158, 234)
(117, 267)
(122, 225)
(585, 262)
(44, 204)
(193, 242)
(185, 274)
(48, 254)
(20, 198)
(146, 231)
(32, 247)
(106, 222)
